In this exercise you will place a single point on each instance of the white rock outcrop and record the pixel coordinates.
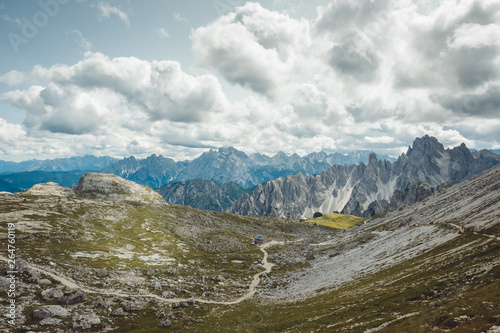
(52, 189)
(111, 187)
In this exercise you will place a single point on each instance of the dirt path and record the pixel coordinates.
(67, 282)
(475, 232)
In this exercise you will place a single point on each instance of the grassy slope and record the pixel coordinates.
(337, 221)
(102, 232)
(117, 236)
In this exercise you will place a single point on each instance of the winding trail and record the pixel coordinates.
(67, 282)
(475, 232)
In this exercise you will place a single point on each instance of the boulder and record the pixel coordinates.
(52, 293)
(156, 285)
(4, 282)
(165, 323)
(45, 282)
(132, 306)
(173, 271)
(169, 294)
(85, 321)
(74, 297)
(50, 322)
(102, 272)
(310, 256)
(50, 311)
(118, 313)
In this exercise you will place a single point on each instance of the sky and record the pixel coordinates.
(176, 78)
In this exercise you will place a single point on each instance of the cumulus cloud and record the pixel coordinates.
(253, 47)
(10, 132)
(394, 58)
(58, 110)
(470, 35)
(351, 32)
(455, 47)
(80, 98)
(379, 139)
(362, 75)
(358, 63)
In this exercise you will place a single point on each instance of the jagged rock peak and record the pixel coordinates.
(425, 144)
(51, 189)
(111, 187)
(280, 155)
(372, 159)
(365, 190)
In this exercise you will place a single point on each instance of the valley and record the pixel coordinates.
(110, 256)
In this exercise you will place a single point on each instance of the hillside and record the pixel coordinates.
(99, 259)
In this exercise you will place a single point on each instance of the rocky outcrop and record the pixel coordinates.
(114, 188)
(352, 189)
(50, 189)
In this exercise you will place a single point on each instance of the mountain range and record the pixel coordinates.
(221, 166)
(229, 165)
(358, 183)
(366, 189)
(88, 163)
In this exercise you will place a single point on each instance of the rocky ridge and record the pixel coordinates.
(50, 189)
(352, 189)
